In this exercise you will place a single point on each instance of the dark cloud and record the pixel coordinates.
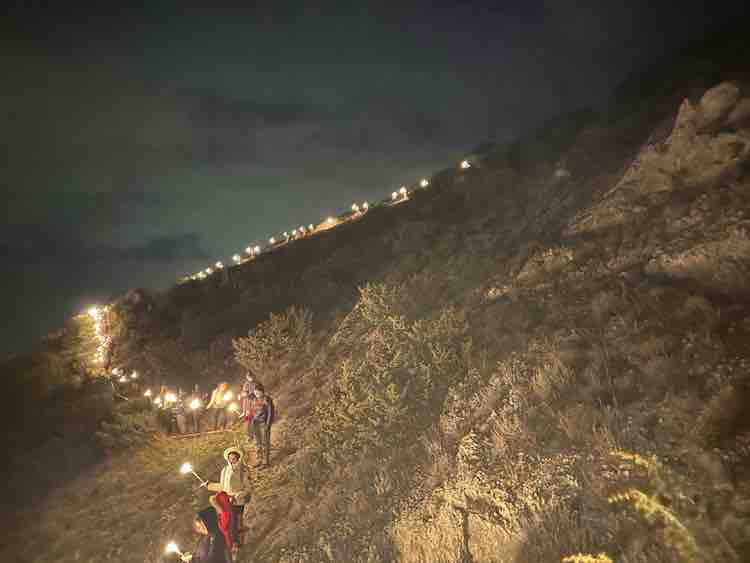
(140, 139)
(44, 248)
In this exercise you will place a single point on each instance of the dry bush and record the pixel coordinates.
(391, 369)
(281, 336)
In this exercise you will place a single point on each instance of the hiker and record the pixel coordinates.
(211, 547)
(217, 406)
(179, 416)
(163, 416)
(260, 418)
(195, 404)
(223, 506)
(235, 482)
(246, 396)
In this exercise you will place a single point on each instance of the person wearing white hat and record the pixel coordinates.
(235, 481)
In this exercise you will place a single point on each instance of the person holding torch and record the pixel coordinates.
(235, 482)
(195, 408)
(211, 547)
(216, 407)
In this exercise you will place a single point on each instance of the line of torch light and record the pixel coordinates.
(255, 250)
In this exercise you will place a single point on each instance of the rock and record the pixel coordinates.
(740, 115)
(716, 104)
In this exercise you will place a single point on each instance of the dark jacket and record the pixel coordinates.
(211, 548)
(262, 410)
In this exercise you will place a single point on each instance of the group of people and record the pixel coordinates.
(220, 526)
(181, 413)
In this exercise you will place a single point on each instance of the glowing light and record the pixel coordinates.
(355, 207)
(157, 401)
(237, 258)
(294, 233)
(134, 375)
(301, 229)
(94, 312)
(272, 240)
(170, 398)
(424, 182)
(257, 249)
(123, 379)
(172, 548)
(394, 195)
(219, 265)
(148, 393)
(228, 396)
(311, 227)
(330, 220)
(286, 235)
(195, 404)
(234, 407)
(249, 250)
(208, 271)
(187, 467)
(402, 191)
(365, 206)
(465, 164)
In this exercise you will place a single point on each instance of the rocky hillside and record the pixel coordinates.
(541, 356)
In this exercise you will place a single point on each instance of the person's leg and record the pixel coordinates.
(267, 443)
(222, 423)
(181, 424)
(237, 525)
(258, 437)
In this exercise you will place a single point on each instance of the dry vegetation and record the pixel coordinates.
(558, 372)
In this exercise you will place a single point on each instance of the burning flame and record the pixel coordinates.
(186, 468)
(257, 249)
(147, 393)
(172, 548)
(157, 401)
(170, 398)
(424, 182)
(311, 227)
(228, 396)
(394, 195)
(134, 375)
(465, 164)
(219, 265)
(195, 404)
(234, 407)
(237, 258)
(272, 240)
(402, 191)
(365, 206)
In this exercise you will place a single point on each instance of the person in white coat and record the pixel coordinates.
(235, 481)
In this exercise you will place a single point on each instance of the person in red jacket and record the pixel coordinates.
(225, 516)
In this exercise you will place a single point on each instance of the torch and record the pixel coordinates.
(186, 468)
(172, 548)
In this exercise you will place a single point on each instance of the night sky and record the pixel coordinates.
(142, 145)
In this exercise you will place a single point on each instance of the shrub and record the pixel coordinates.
(268, 343)
(392, 370)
